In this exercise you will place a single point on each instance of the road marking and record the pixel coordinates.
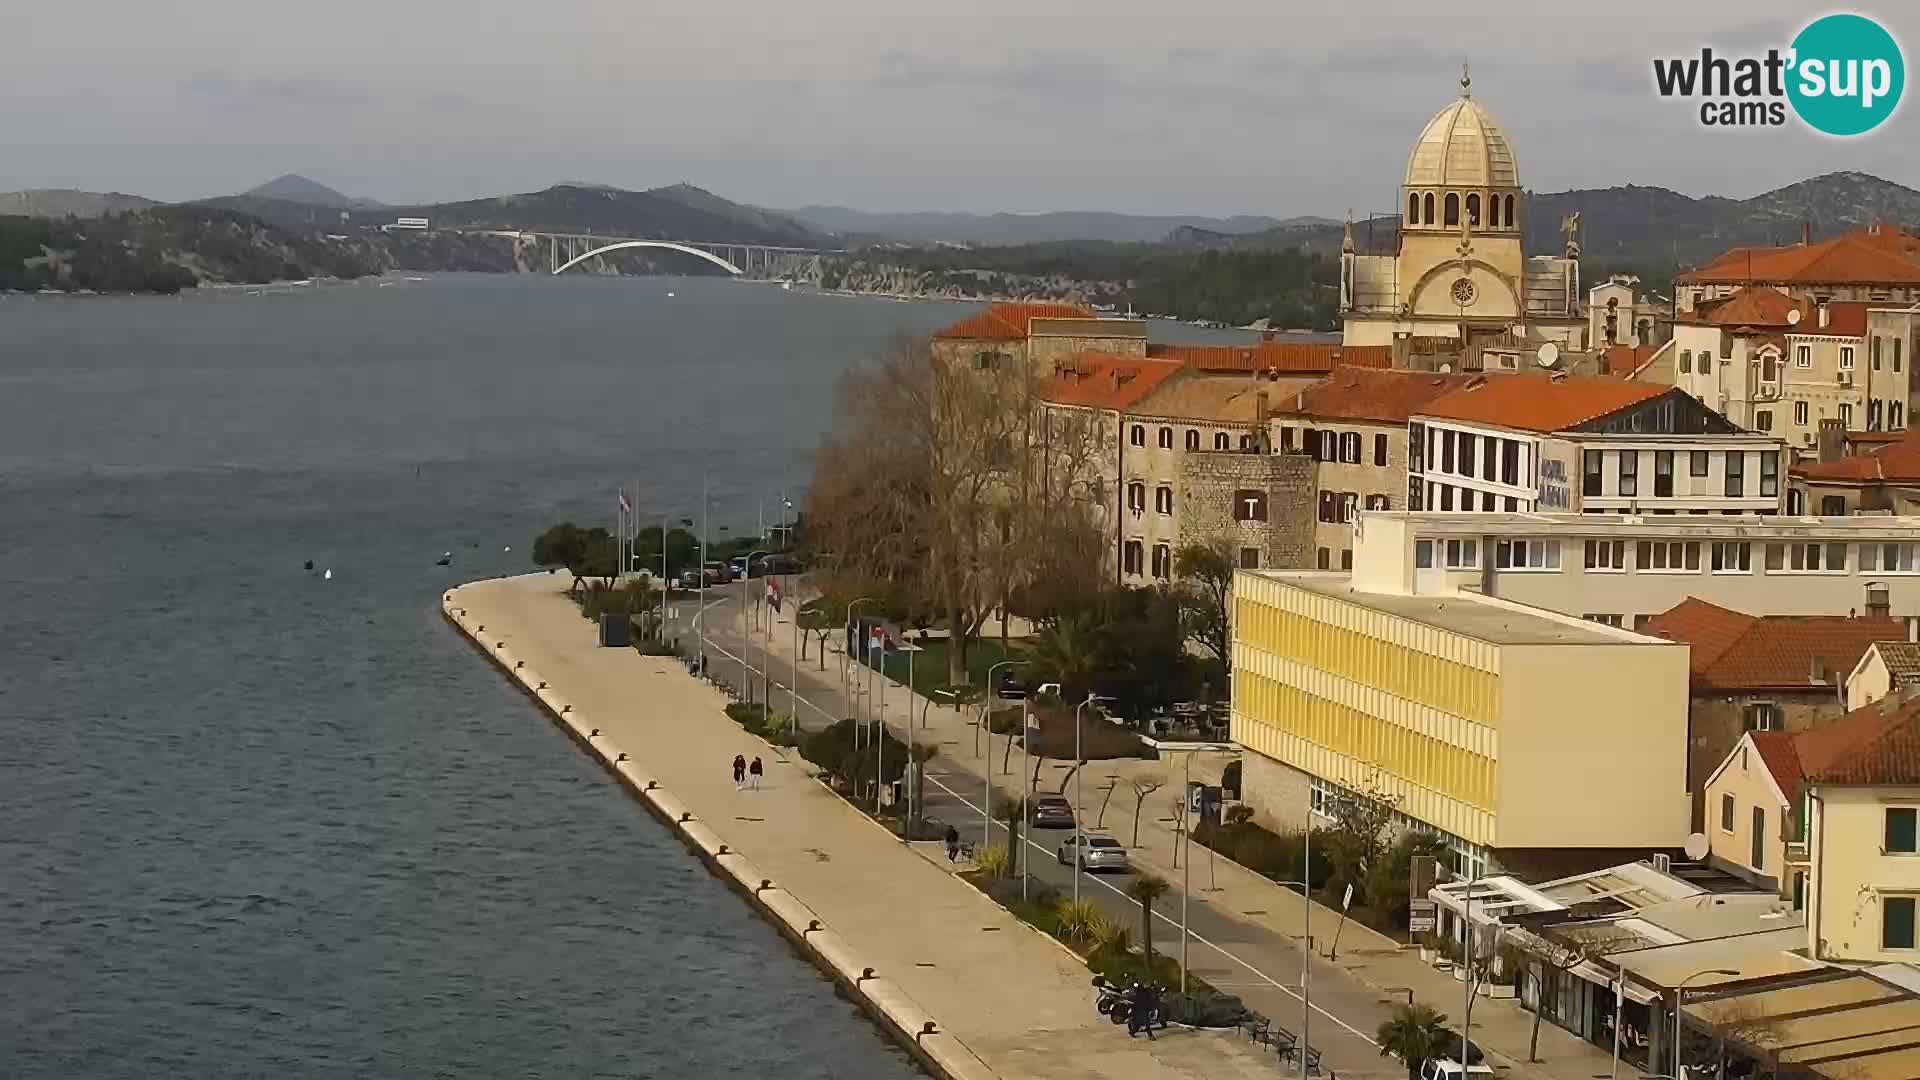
(1263, 976)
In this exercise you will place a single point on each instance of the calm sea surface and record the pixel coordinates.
(258, 823)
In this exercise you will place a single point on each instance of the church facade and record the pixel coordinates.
(1460, 288)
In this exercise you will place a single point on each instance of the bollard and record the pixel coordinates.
(622, 757)
(812, 926)
(724, 850)
(651, 784)
(518, 664)
(765, 884)
(594, 734)
(685, 816)
(481, 629)
(865, 974)
(542, 686)
(926, 1029)
(565, 709)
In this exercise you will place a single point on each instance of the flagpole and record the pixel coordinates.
(700, 611)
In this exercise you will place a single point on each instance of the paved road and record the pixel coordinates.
(1225, 948)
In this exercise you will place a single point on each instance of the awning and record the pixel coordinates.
(1599, 976)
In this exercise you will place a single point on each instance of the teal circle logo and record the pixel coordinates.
(1846, 75)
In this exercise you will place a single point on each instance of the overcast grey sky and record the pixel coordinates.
(1209, 106)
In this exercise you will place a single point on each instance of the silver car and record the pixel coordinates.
(1094, 851)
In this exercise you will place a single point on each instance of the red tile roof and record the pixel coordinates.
(1623, 360)
(1366, 394)
(1735, 651)
(1008, 322)
(1778, 754)
(1282, 356)
(1758, 307)
(1855, 258)
(1101, 381)
(1540, 402)
(1896, 463)
(1877, 744)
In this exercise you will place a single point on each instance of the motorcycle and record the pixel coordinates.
(1106, 995)
(1123, 1009)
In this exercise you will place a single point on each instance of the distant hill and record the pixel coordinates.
(934, 227)
(680, 212)
(295, 188)
(66, 202)
(167, 248)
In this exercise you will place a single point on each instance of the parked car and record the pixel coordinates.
(1449, 1069)
(737, 566)
(1094, 851)
(718, 573)
(689, 579)
(1050, 812)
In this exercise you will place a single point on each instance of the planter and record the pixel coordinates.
(1426, 955)
(1497, 990)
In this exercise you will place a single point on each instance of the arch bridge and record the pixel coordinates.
(567, 250)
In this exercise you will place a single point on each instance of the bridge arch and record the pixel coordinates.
(709, 256)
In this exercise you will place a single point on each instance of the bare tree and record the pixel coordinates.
(1566, 949)
(1143, 787)
(1206, 573)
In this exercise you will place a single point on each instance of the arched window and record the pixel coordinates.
(1508, 215)
(1453, 208)
(1413, 208)
(1473, 209)
(1493, 212)
(1220, 441)
(1193, 439)
(1166, 438)
(1426, 208)
(1163, 500)
(1138, 436)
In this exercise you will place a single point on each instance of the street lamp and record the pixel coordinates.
(846, 665)
(986, 804)
(746, 631)
(1679, 999)
(1079, 787)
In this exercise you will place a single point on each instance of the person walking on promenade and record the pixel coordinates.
(755, 771)
(953, 844)
(739, 772)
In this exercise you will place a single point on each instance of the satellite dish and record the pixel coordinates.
(1547, 355)
(1696, 846)
(1793, 317)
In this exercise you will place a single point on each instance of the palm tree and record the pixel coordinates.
(1068, 654)
(922, 753)
(1010, 810)
(1146, 889)
(1413, 1034)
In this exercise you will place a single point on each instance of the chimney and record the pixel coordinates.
(1817, 671)
(1832, 436)
(1262, 409)
(1879, 605)
(1822, 301)
(1913, 627)
(1806, 233)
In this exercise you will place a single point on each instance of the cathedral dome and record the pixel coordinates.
(1463, 146)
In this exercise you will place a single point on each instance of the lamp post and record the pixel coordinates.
(1079, 787)
(1679, 999)
(846, 694)
(746, 631)
(986, 804)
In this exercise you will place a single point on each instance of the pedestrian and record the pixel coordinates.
(953, 844)
(756, 770)
(739, 772)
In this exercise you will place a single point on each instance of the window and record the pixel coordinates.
(1896, 922)
(1193, 440)
(1846, 358)
(1726, 813)
(1662, 473)
(1446, 451)
(1736, 474)
(1763, 716)
(1423, 554)
(1166, 438)
(1686, 362)
(1732, 557)
(1506, 214)
(1605, 620)
(1486, 500)
(1349, 503)
(1769, 368)
(1249, 505)
(1137, 436)
(1763, 419)
(1466, 454)
(1758, 841)
(1326, 559)
(1806, 558)
(1246, 443)
(1416, 448)
(1286, 440)
(1833, 506)
(1895, 421)
(1130, 557)
(1379, 449)
(986, 361)
(1803, 356)
(1527, 555)
(1799, 890)
(1346, 558)
(1249, 558)
(1453, 209)
(1350, 447)
(1800, 413)
(1446, 497)
(1136, 496)
(1846, 415)
(1379, 502)
(1473, 210)
(1163, 562)
(1413, 208)
(1462, 554)
(1324, 504)
(1426, 208)
(1509, 462)
(1890, 558)
(1606, 554)
(1416, 488)
(1769, 474)
(1896, 353)
(1163, 500)
(1873, 350)
(1670, 555)
(1900, 831)
(1590, 480)
(1221, 442)
(1629, 472)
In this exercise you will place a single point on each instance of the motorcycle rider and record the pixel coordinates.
(1146, 1006)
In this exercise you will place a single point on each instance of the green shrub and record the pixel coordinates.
(1270, 854)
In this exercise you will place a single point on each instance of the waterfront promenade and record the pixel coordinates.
(1017, 1004)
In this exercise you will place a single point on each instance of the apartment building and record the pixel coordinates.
(1760, 673)
(1881, 478)
(1585, 444)
(1624, 569)
(1862, 782)
(1877, 264)
(1496, 726)
(1353, 424)
(1887, 667)
(1753, 806)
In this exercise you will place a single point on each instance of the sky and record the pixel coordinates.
(1276, 107)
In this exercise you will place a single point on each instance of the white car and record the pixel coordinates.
(1449, 1069)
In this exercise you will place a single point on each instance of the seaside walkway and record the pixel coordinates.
(1016, 999)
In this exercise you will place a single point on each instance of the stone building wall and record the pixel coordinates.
(1374, 486)
(1213, 481)
(1716, 722)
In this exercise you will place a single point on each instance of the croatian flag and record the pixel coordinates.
(625, 506)
(773, 593)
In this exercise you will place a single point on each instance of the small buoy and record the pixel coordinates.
(506, 549)
(669, 296)
(309, 564)
(328, 575)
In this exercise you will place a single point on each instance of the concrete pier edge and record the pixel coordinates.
(937, 1050)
